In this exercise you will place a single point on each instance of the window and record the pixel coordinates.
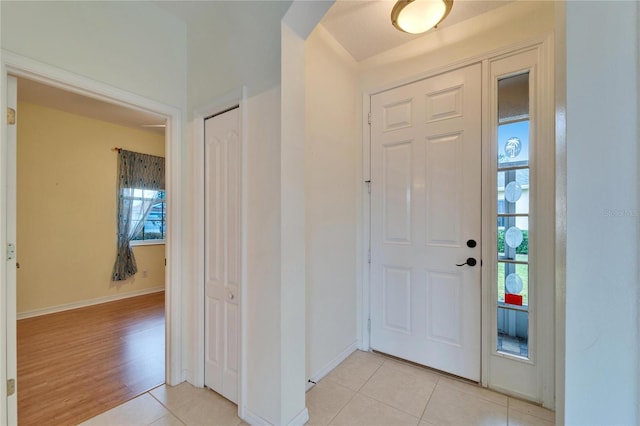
(154, 229)
(513, 215)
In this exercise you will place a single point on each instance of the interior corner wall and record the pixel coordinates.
(602, 380)
(332, 172)
(67, 210)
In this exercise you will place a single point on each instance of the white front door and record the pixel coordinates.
(425, 218)
(222, 252)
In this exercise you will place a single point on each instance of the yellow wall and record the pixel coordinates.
(67, 209)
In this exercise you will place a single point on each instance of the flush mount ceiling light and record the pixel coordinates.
(418, 16)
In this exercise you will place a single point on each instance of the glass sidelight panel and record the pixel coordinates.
(513, 143)
(513, 187)
(513, 284)
(513, 215)
(513, 238)
(513, 332)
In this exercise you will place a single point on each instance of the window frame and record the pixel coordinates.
(154, 241)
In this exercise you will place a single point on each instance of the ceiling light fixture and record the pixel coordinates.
(418, 16)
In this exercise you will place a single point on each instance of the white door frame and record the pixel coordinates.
(9, 407)
(546, 44)
(21, 66)
(231, 99)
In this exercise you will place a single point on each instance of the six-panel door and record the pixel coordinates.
(425, 206)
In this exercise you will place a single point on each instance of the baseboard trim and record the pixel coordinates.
(332, 364)
(301, 418)
(85, 303)
(253, 419)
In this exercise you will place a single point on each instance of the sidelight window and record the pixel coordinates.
(513, 215)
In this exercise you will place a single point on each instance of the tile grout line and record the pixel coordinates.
(343, 407)
(356, 392)
(428, 401)
(167, 408)
(539, 417)
(370, 377)
(383, 402)
(389, 405)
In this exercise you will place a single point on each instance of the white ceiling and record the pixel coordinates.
(362, 27)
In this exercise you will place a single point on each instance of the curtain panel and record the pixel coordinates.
(140, 177)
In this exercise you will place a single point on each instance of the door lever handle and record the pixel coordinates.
(470, 261)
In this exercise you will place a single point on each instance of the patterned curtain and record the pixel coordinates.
(140, 177)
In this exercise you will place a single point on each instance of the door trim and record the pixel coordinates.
(231, 99)
(21, 66)
(544, 42)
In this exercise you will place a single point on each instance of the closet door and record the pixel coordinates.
(222, 252)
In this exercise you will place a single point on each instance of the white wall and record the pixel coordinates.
(333, 172)
(263, 252)
(232, 43)
(130, 45)
(602, 345)
(292, 227)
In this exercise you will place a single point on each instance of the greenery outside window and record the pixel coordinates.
(154, 230)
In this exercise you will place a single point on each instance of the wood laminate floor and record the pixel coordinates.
(76, 364)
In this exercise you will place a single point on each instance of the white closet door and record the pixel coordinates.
(222, 252)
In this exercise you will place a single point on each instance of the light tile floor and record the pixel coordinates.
(366, 389)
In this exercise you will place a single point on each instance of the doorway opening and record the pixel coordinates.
(103, 339)
(15, 66)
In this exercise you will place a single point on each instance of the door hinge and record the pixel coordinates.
(11, 251)
(369, 118)
(11, 116)
(369, 325)
(368, 182)
(369, 256)
(11, 387)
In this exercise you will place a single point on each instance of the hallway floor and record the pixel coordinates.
(366, 389)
